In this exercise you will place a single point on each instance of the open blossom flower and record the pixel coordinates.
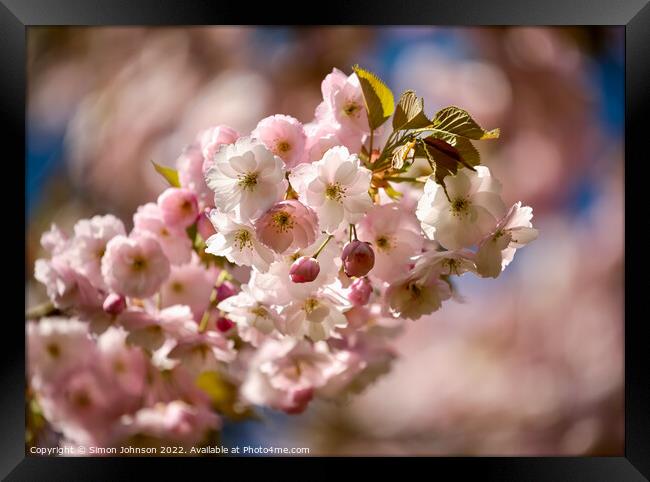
(367, 357)
(90, 239)
(237, 242)
(287, 225)
(343, 100)
(175, 421)
(327, 133)
(189, 284)
(246, 178)
(395, 236)
(285, 374)
(470, 213)
(65, 286)
(198, 352)
(151, 329)
(513, 231)
(54, 241)
(454, 262)
(284, 136)
(336, 187)
(315, 316)
(126, 364)
(56, 345)
(179, 207)
(412, 297)
(174, 242)
(135, 266)
(251, 308)
(211, 140)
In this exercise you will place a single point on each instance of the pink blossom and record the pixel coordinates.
(190, 175)
(343, 101)
(395, 236)
(126, 364)
(90, 239)
(179, 207)
(304, 270)
(198, 352)
(189, 284)
(174, 242)
(54, 241)
(66, 287)
(358, 258)
(284, 374)
(284, 136)
(176, 421)
(56, 345)
(360, 291)
(411, 296)
(135, 266)
(212, 139)
(287, 225)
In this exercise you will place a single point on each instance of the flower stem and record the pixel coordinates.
(206, 314)
(403, 179)
(322, 246)
(40, 311)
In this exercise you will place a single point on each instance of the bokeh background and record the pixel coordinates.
(530, 363)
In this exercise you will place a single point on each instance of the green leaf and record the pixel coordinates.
(171, 175)
(455, 121)
(378, 98)
(447, 158)
(409, 113)
(401, 154)
(393, 193)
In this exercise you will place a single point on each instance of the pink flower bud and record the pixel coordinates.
(358, 258)
(224, 324)
(304, 270)
(114, 304)
(204, 226)
(226, 290)
(360, 291)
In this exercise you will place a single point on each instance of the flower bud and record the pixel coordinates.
(358, 258)
(224, 324)
(360, 291)
(225, 290)
(304, 270)
(114, 304)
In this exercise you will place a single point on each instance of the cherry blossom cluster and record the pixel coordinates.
(280, 263)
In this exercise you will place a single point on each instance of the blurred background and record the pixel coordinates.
(530, 363)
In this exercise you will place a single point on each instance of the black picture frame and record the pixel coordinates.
(18, 15)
